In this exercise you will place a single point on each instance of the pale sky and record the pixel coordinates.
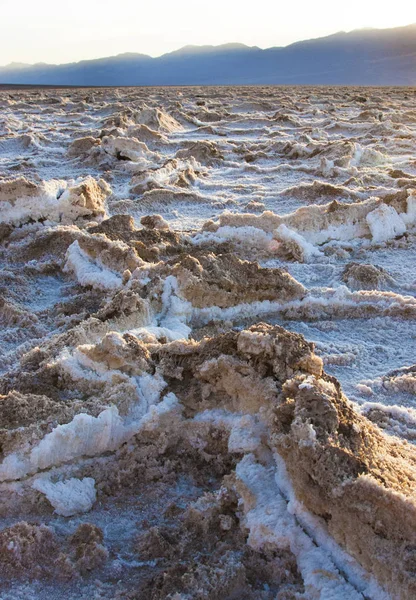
(55, 31)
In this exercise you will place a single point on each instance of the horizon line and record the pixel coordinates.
(235, 44)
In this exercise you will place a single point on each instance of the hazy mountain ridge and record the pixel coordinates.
(360, 57)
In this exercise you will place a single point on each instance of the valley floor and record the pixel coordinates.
(208, 324)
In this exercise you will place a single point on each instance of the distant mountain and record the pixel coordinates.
(360, 57)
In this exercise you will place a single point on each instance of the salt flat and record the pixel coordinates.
(207, 358)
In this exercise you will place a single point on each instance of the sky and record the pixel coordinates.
(56, 32)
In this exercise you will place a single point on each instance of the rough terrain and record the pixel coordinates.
(207, 367)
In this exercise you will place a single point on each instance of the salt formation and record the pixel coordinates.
(364, 276)
(207, 379)
(181, 174)
(374, 219)
(23, 201)
(128, 149)
(82, 146)
(203, 152)
(158, 120)
(98, 261)
(68, 497)
(360, 483)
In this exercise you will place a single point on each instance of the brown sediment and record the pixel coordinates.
(162, 197)
(50, 243)
(360, 481)
(113, 254)
(225, 280)
(27, 550)
(88, 552)
(150, 241)
(11, 190)
(342, 467)
(317, 190)
(368, 277)
(35, 552)
(203, 553)
(230, 367)
(82, 146)
(205, 152)
(145, 134)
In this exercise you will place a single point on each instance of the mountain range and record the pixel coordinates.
(359, 57)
